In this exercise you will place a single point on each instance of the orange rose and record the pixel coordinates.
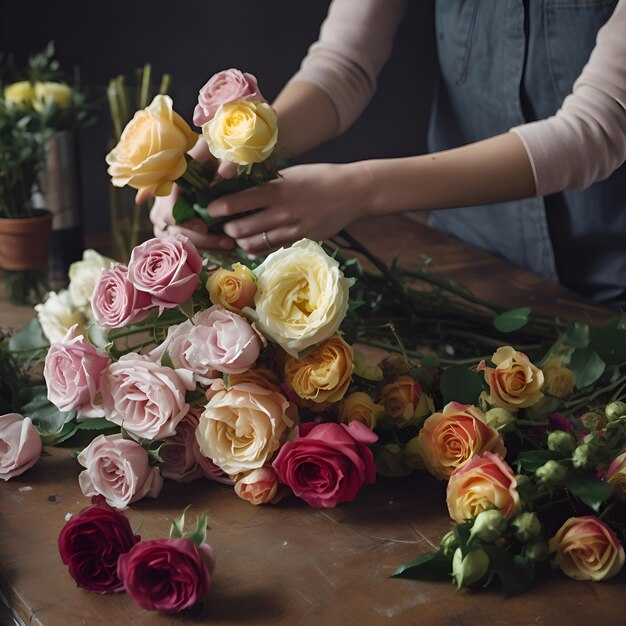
(404, 400)
(358, 406)
(558, 379)
(450, 439)
(587, 549)
(233, 289)
(486, 482)
(324, 374)
(259, 486)
(515, 383)
(616, 476)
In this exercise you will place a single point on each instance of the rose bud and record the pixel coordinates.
(233, 289)
(582, 456)
(526, 527)
(20, 445)
(552, 473)
(615, 410)
(500, 419)
(558, 379)
(488, 526)
(469, 569)
(560, 441)
(594, 420)
(448, 543)
(260, 486)
(390, 461)
(536, 552)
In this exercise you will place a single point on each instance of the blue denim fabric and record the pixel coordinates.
(504, 63)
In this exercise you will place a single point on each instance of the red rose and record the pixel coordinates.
(327, 463)
(91, 544)
(167, 574)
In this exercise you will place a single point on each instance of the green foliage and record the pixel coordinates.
(512, 320)
(459, 384)
(587, 367)
(591, 490)
(433, 566)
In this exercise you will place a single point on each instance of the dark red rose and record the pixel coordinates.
(327, 463)
(91, 544)
(167, 574)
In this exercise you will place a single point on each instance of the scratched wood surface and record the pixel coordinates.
(290, 564)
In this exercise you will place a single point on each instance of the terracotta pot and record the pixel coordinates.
(24, 241)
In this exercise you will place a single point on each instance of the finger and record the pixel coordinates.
(204, 240)
(226, 169)
(143, 195)
(243, 201)
(257, 244)
(264, 220)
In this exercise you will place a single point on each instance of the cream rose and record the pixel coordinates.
(359, 407)
(587, 549)
(558, 379)
(84, 275)
(151, 151)
(57, 314)
(242, 427)
(242, 132)
(19, 94)
(450, 439)
(486, 482)
(301, 298)
(233, 289)
(515, 383)
(58, 94)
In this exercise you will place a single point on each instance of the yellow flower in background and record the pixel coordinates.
(233, 289)
(151, 151)
(242, 132)
(59, 94)
(19, 94)
(558, 379)
(358, 406)
(324, 374)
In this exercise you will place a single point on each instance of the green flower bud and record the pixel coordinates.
(527, 527)
(581, 457)
(469, 569)
(615, 410)
(594, 420)
(488, 526)
(522, 480)
(500, 419)
(536, 551)
(483, 402)
(390, 461)
(448, 543)
(561, 441)
(552, 473)
(413, 454)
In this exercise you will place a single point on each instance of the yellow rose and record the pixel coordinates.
(450, 439)
(242, 132)
(151, 151)
(58, 94)
(19, 94)
(486, 482)
(515, 383)
(404, 400)
(233, 289)
(301, 298)
(367, 362)
(324, 374)
(242, 427)
(558, 379)
(587, 549)
(358, 406)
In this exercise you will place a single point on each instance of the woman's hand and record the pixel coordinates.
(314, 201)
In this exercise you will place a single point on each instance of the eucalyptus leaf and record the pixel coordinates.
(587, 367)
(591, 490)
(459, 384)
(512, 320)
(577, 335)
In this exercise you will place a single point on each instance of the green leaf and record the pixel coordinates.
(46, 418)
(182, 211)
(166, 360)
(186, 308)
(591, 490)
(459, 384)
(430, 566)
(516, 574)
(587, 367)
(577, 335)
(178, 526)
(95, 423)
(29, 341)
(430, 360)
(512, 320)
(610, 340)
(198, 536)
(532, 460)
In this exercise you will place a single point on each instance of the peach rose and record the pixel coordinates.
(515, 383)
(404, 400)
(558, 379)
(587, 549)
(451, 438)
(486, 482)
(233, 289)
(359, 407)
(324, 374)
(259, 376)
(260, 486)
(616, 476)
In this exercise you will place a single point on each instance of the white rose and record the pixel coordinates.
(57, 314)
(85, 274)
(301, 298)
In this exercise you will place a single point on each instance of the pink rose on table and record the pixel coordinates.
(20, 445)
(167, 574)
(116, 302)
(91, 543)
(327, 463)
(73, 371)
(148, 399)
(119, 470)
(167, 268)
(223, 340)
(259, 486)
(225, 86)
(587, 549)
(486, 482)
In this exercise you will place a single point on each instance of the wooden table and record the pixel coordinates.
(290, 564)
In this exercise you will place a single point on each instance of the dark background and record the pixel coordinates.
(192, 39)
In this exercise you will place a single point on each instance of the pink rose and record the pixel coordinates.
(327, 463)
(166, 268)
(167, 574)
(146, 398)
(73, 373)
(115, 301)
(20, 445)
(223, 340)
(225, 86)
(260, 486)
(180, 463)
(118, 469)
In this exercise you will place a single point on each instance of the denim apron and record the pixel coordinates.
(504, 63)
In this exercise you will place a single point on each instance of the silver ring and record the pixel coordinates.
(268, 245)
